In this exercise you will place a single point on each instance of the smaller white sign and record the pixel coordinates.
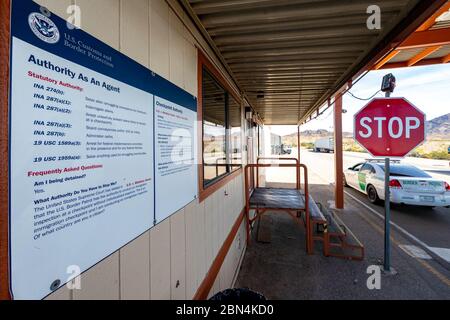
(176, 159)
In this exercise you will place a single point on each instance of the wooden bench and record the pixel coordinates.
(338, 240)
(319, 221)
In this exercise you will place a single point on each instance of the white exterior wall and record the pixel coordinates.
(171, 260)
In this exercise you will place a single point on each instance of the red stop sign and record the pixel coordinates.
(389, 127)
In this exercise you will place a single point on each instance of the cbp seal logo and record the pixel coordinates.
(43, 28)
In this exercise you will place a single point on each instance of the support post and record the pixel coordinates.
(299, 186)
(338, 154)
(4, 148)
(298, 144)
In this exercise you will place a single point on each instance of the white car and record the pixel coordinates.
(408, 184)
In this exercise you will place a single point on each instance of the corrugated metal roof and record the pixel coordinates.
(287, 55)
(405, 55)
(442, 52)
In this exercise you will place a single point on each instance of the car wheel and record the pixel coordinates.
(372, 194)
(345, 182)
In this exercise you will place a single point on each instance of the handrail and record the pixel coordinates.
(297, 161)
(305, 179)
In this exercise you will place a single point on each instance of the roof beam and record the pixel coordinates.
(432, 20)
(386, 59)
(422, 55)
(438, 37)
(424, 62)
(446, 59)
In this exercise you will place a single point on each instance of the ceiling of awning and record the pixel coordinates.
(429, 44)
(290, 56)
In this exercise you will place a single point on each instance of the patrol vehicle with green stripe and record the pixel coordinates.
(408, 184)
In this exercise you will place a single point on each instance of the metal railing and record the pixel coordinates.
(279, 159)
(292, 212)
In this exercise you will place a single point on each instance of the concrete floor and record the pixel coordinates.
(283, 270)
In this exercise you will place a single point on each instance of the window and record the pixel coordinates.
(260, 140)
(367, 168)
(222, 148)
(406, 171)
(234, 110)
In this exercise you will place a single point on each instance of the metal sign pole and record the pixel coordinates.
(387, 211)
(387, 216)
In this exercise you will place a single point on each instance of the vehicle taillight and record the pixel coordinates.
(395, 184)
(447, 186)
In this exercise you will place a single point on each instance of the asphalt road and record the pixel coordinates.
(431, 226)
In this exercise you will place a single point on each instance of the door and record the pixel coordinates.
(365, 175)
(352, 176)
(250, 160)
(249, 133)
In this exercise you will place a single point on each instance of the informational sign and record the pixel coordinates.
(389, 127)
(175, 154)
(102, 149)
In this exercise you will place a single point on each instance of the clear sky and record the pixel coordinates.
(427, 87)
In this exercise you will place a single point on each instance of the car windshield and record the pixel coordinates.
(406, 171)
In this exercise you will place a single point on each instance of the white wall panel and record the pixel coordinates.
(58, 7)
(101, 19)
(135, 30)
(135, 269)
(101, 282)
(160, 261)
(203, 265)
(209, 229)
(178, 255)
(190, 68)
(62, 293)
(159, 37)
(192, 251)
(176, 50)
